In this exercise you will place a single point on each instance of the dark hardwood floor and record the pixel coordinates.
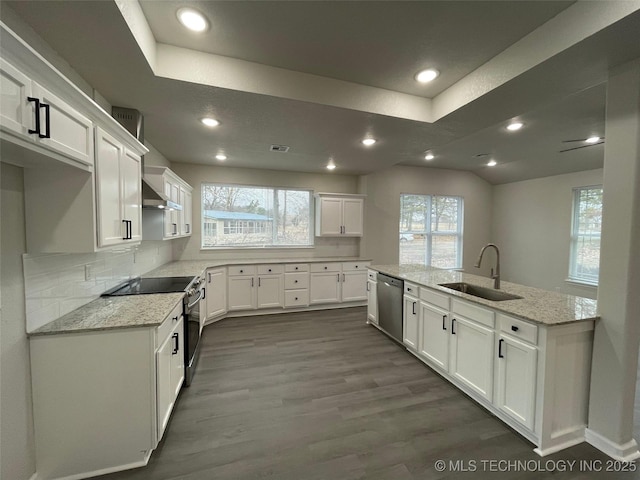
(322, 395)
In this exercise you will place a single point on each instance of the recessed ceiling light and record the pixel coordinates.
(429, 156)
(331, 166)
(491, 163)
(210, 122)
(515, 126)
(428, 75)
(592, 140)
(221, 157)
(192, 19)
(369, 141)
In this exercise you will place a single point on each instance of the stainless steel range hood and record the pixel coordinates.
(133, 121)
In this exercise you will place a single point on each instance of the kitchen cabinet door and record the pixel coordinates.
(270, 291)
(171, 220)
(433, 341)
(70, 133)
(216, 292)
(16, 113)
(372, 301)
(330, 216)
(472, 347)
(241, 293)
(517, 369)
(177, 358)
(354, 286)
(410, 325)
(164, 386)
(131, 175)
(352, 216)
(324, 287)
(187, 213)
(112, 230)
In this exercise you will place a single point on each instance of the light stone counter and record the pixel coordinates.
(105, 313)
(132, 311)
(537, 305)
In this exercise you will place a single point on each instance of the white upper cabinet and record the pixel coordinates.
(169, 223)
(339, 215)
(35, 117)
(118, 195)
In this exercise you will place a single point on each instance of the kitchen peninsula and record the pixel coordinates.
(526, 360)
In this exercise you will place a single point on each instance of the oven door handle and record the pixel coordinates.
(195, 302)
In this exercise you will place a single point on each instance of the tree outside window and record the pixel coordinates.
(584, 264)
(431, 230)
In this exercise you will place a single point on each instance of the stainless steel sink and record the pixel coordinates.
(482, 292)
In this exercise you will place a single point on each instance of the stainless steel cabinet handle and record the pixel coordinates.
(251, 280)
(444, 320)
(500, 355)
(259, 281)
(414, 308)
(453, 325)
(343, 277)
(176, 346)
(209, 277)
(338, 278)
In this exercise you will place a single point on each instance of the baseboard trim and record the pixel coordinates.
(105, 471)
(626, 452)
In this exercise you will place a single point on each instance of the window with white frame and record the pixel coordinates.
(247, 216)
(431, 230)
(584, 264)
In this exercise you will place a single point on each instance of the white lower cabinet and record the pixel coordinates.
(270, 291)
(471, 360)
(324, 287)
(410, 324)
(241, 293)
(102, 399)
(372, 298)
(215, 295)
(170, 373)
(354, 285)
(534, 377)
(255, 286)
(434, 335)
(516, 376)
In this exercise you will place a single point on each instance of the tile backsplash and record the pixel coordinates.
(57, 283)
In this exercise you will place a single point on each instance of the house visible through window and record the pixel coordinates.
(584, 264)
(243, 216)
(431, 230)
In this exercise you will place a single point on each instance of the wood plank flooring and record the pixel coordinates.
(321, 395)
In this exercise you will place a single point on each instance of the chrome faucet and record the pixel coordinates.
(496, 276)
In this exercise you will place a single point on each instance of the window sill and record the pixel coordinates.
(581, 283)
(270, 248)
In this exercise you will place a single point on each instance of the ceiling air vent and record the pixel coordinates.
(279, 148)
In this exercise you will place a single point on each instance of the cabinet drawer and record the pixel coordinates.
(325, 267)
(296, 298)
(296, 280)
(410, 289)
(269, 269)
(518, 328)
(473, 312)
(354, 266)
(372, 275)
(296, 267)
(242, 270)
(168, 325)
(438, 299)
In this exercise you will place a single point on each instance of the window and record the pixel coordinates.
(584, 264)
(239, 216)
(431, 230)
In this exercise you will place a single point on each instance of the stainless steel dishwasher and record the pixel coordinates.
(390, 292)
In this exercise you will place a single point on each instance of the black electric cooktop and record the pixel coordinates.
(140, 286)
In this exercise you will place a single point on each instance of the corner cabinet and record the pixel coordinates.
(339, 215)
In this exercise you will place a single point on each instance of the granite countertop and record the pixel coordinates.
(132, 311)
(105, 313)
(184, 268)
(537, 305)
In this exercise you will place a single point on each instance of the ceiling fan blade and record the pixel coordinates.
(582, 146)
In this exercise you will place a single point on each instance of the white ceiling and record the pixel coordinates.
(375, 44)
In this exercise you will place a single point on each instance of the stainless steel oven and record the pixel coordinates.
(192, 305)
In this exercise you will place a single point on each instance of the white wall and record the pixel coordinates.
(532, 227)
(196, 175)
(16, 417)
(382, 209)
(154, 157)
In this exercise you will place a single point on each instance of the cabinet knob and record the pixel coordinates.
(325, 268)
(269, 269)
(296, 268)
(296, 298)
(175, 319)
(356, 266)
(408, 289)
(241, 271)
(295, 281)
(514, 328)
